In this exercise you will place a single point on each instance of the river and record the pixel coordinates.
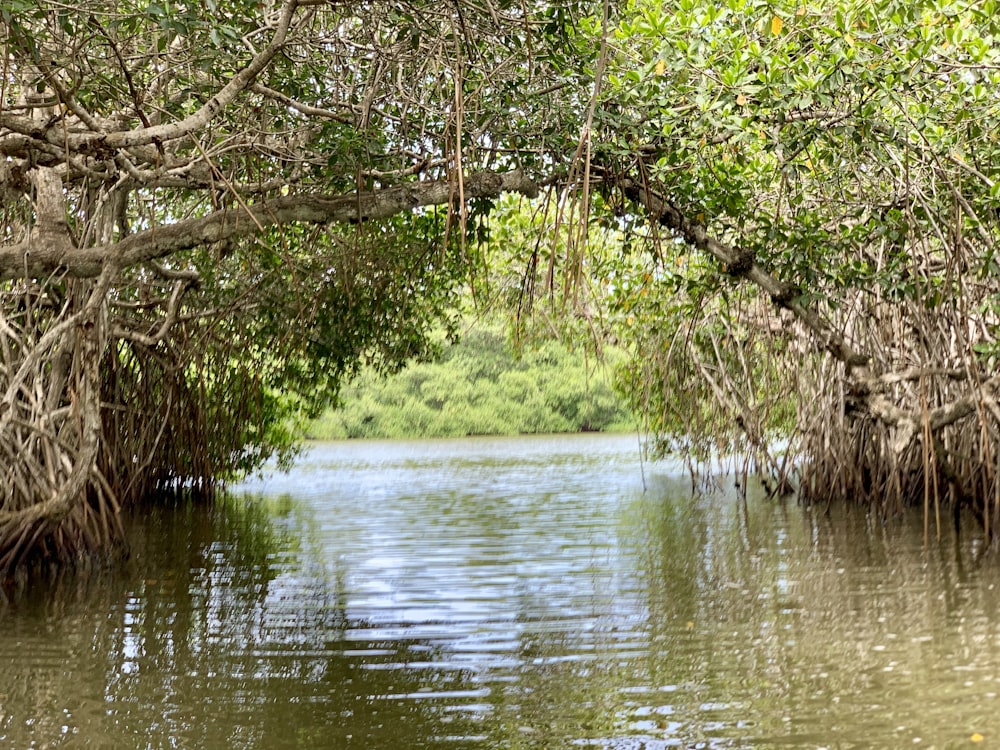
(508, 593)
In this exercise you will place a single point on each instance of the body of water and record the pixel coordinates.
(508, 593)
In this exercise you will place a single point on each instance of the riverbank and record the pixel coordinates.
(482, 386)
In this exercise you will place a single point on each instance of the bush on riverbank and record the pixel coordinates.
(480, 386)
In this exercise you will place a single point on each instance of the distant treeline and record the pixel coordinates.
(481, 386)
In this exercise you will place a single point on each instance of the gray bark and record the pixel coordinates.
(38, 258)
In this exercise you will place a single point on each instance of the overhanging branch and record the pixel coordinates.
(91, 142)
(742, 264)
(34, 259)
(869, 390)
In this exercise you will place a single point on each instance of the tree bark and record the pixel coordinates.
(36, 258)
(870, 390)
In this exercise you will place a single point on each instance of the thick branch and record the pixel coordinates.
(50, 228)
(89, 142)
(31, 260)
(868, 389)
(742, 264)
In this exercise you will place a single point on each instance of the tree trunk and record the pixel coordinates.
(53, 500)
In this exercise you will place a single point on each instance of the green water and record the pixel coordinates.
(513, 593)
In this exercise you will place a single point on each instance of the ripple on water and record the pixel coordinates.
(509, 593)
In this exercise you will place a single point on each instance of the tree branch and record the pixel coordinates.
(89, 142)
(740, 263)
(34, 259)
(869, 390)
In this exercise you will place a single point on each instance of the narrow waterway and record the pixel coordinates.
(511, 593)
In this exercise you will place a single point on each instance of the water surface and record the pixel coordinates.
(514, 593)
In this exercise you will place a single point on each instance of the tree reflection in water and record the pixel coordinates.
(507, 594)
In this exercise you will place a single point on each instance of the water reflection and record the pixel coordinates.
(518, 593)
(818, 629)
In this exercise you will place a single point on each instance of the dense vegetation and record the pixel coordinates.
(215, 214)
(481, 386)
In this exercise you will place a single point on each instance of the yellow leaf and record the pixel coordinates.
(977, 737)
(741, 100)
(661, 67)
(776, 24)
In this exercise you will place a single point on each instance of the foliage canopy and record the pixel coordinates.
(213, 212)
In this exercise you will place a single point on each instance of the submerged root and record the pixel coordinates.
(941, 468)
(60, 528)
(53, 500)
